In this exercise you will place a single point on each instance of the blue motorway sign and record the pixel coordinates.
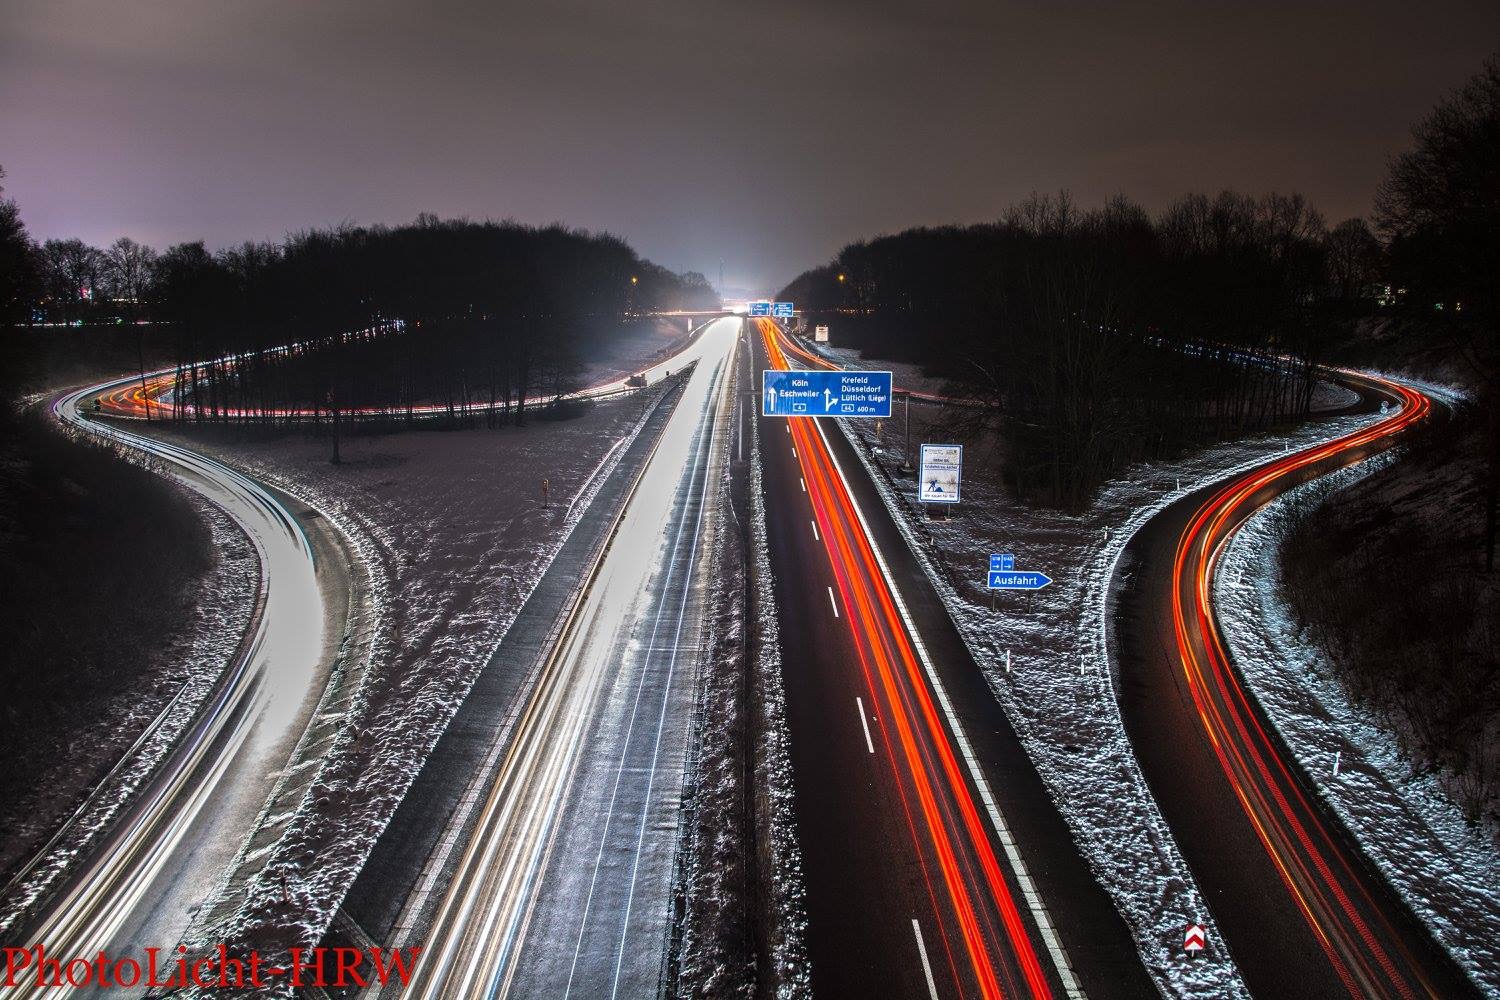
(781, 310)
(825, 394)
(1002, 561)
(760, 309)
(1013, 580)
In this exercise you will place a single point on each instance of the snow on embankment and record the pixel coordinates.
(1059, 691)
(1447, 871)
(138, 728)
(454, 531)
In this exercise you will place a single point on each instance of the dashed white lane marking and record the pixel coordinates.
(794, 452)
(803, 482)
(833, 602)
(916, 929)
(1002, 831)
(864, 722)
(815, 531)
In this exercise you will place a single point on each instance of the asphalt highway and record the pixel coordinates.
(935, 862)
(1303, 912)
(564, 887)
(163, 857)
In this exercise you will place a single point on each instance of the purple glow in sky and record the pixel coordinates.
(768, 134)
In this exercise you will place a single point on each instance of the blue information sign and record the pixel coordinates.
(1012, 580)
(781, 310)
(1002, 561)
(825, 394)
(760, 309)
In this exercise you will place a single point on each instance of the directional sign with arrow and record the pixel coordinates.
(825, 394)
(1012, 580)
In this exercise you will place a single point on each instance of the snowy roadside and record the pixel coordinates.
(454, 531)
(138, 728)
(1405, 824)
(1059, 689)
(775, 806)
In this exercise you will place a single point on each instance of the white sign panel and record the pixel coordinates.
(820, 334)
(941, 470)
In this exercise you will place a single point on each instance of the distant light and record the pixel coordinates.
(843, 277)
(634, 280)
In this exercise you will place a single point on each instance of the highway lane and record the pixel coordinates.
(1303, 912)
(929, 842)
(165, 854)
(564, 888)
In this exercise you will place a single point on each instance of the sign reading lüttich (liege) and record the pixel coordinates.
(825, 394)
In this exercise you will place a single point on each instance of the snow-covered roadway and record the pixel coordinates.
(565, 886)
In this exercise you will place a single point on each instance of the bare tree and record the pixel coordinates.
(1440, 209)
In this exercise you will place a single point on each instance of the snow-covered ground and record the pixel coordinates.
(137, 728)
(1446, 870)
(776, 807)
(628, 350)
(1059, 689)
(455, 532)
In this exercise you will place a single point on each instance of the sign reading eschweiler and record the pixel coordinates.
(825, 394)
(941, 471)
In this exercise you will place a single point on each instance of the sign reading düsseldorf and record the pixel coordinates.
(825, 394)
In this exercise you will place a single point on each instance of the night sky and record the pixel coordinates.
(767, 133)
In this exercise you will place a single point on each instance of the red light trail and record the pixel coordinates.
(1328, 888)
(995, 939)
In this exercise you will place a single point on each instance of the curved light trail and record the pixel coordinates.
(990, 951)
(147, 874)
(149, 395)
(1329, 888)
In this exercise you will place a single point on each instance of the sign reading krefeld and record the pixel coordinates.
(825, 394)
(941, 472)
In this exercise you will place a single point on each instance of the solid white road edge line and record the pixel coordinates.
(1013, 854)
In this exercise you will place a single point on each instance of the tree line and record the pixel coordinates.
(1095, 338)
(438, 311)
